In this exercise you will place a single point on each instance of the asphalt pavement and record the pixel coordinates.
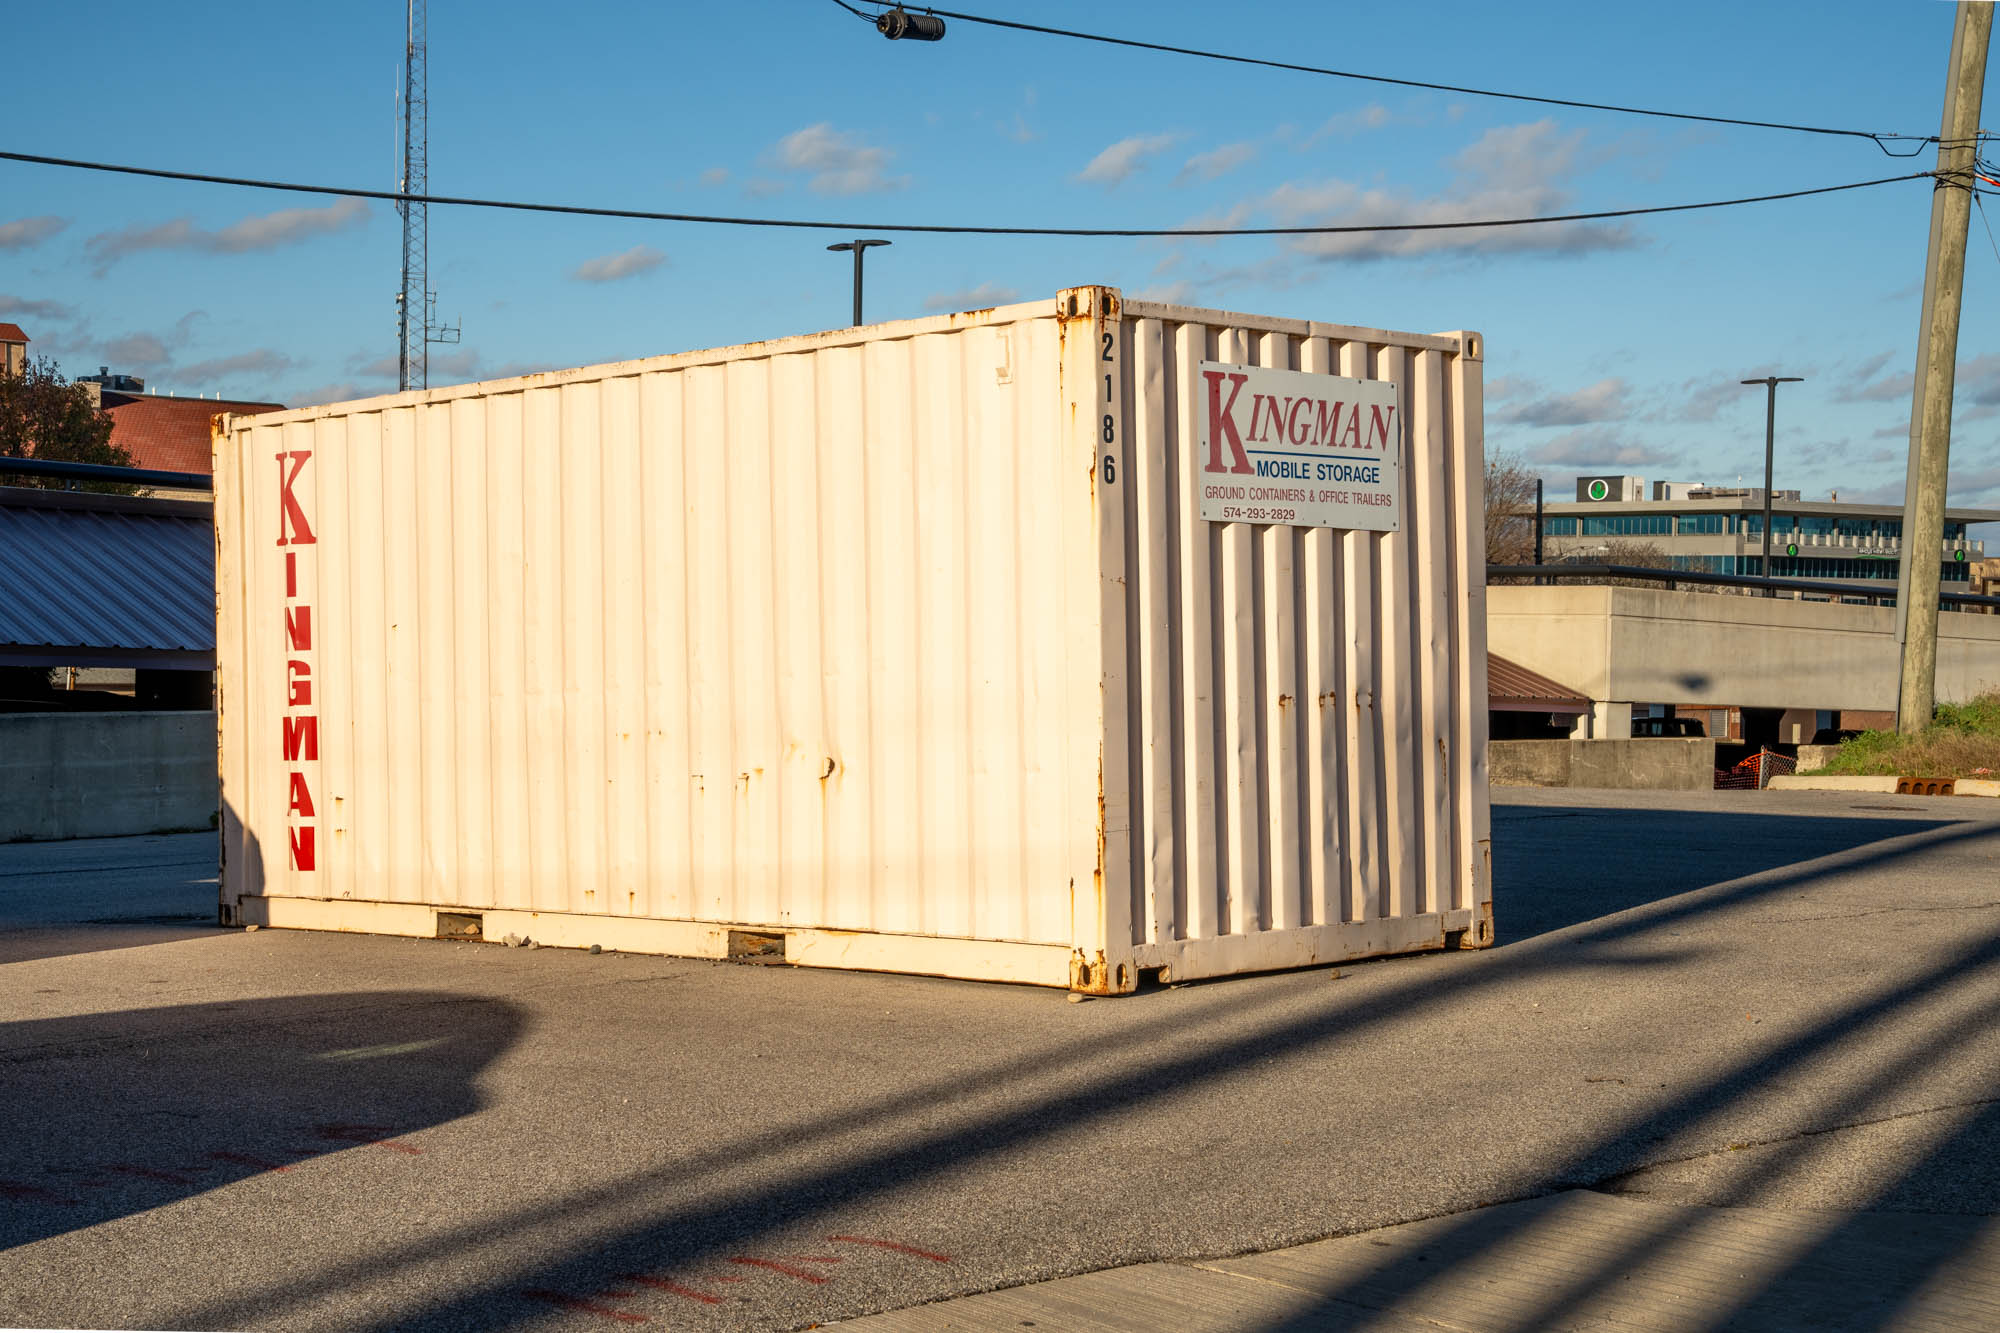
(1751, 1009)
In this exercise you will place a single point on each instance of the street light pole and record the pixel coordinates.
(858, 247)
(1770, 383)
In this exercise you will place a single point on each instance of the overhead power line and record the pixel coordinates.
(942, 229)
(1879, 139)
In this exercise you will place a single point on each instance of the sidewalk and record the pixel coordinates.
(1579, 1259)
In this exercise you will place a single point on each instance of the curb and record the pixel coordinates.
(1882, 785)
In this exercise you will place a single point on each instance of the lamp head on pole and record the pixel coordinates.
(860, 246)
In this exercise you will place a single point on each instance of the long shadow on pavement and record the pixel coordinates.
(1559, 866)
(1737, 846)
(1974, 968)
(175, 1101)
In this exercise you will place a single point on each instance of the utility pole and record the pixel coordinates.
(1937, 365)
(858, 247)
(1770, 383)
(1538, 521)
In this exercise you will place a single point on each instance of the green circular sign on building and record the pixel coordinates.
(1958, 556)
(1791, 548)
(1598, 490)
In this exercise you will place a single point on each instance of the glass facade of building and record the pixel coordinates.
(1691, 525)
(1715, 525)
(1627, 525)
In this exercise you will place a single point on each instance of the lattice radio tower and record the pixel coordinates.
(416, 329)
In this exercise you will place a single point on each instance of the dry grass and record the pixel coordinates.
(1962, 741)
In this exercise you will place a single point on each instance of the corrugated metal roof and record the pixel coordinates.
(105, 573)
(1511, 685)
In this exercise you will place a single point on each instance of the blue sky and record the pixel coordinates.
(1612, 347)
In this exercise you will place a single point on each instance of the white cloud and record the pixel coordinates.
(972, 298)
(1602, 401)
(461, 366)
(715, 176)
(1348, 124)
(262, 362)
(625, 264)
(456, 367)
(1514, 171)
(1116, 163)
(15, 307)
(140, 351)
(24, 232)
(1216, 162)
(836, 161)
(1596, 447)
(265, 231)
(374, 367)
(1172, 293)
(1705, 400)
(342, 391)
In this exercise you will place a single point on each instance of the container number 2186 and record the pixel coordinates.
(1110, 426)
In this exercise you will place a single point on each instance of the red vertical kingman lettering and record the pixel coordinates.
(300, 724)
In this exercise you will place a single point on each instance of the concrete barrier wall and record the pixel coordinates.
(1664, 764)
(100, 775)
(1645, 645)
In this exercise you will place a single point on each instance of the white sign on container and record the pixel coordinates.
(1313, 451)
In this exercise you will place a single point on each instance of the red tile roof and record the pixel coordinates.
(11, 333)
(170, 434)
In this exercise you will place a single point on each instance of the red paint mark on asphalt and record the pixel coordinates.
(814, 1258)
(14, 1189)
(150, 1173)
(378, 1135)
(662, 1284)
(894, 1245)
(588, 1307)
(246, 1159)
(353, 1133)
(776, 1267)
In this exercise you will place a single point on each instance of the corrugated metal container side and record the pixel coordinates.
(902, 647)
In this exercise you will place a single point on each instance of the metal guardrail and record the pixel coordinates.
(125, 476)
(1670, 577)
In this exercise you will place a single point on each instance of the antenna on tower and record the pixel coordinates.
(416, 327)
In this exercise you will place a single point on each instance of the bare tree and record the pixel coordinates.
(1510, 511)
(1617, 551)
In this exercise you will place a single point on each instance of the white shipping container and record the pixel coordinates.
(904, 647)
